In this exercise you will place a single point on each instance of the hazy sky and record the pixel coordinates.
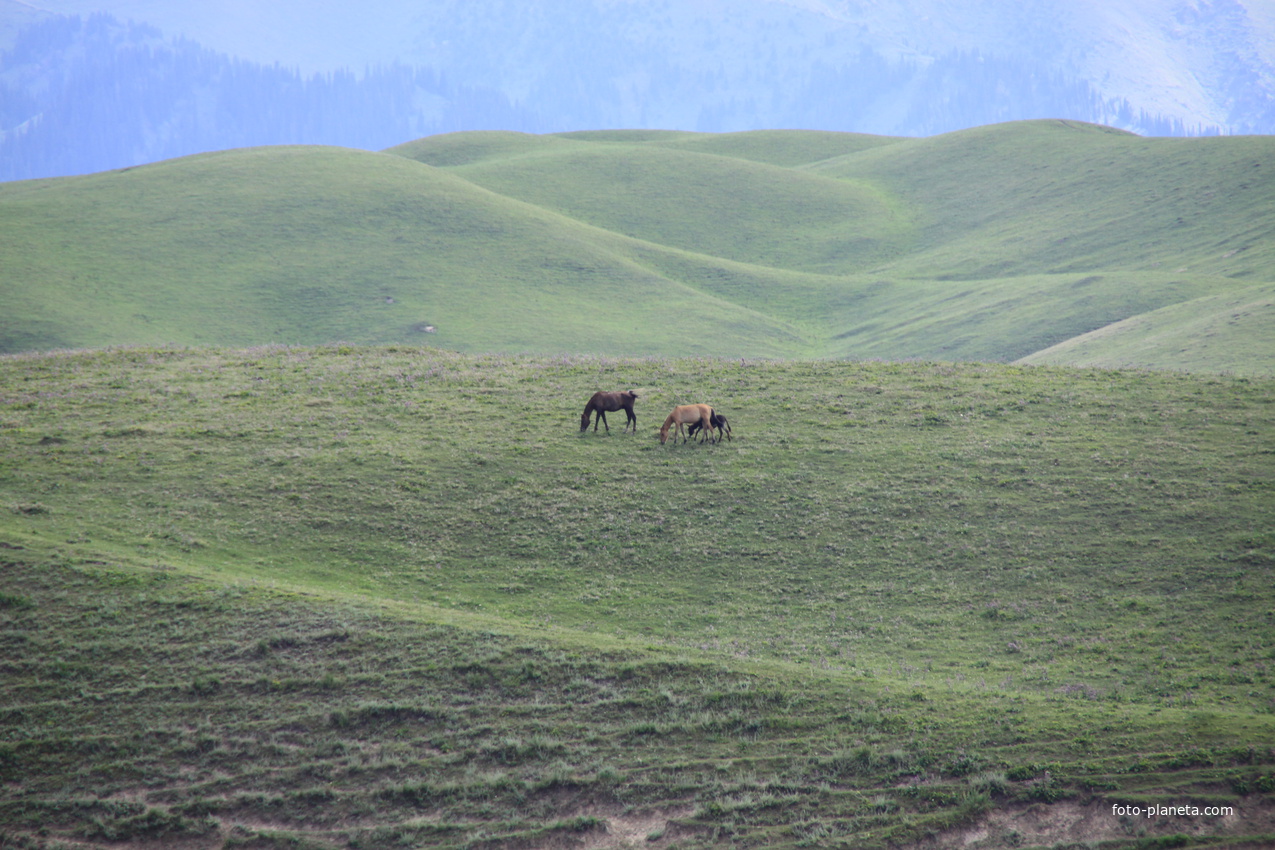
(1168, 55)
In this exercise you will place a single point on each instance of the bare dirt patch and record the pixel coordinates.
(1066, 823)
(635, 829)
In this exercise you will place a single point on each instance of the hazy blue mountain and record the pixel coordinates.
(87, 85)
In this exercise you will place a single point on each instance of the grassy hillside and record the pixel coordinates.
(990, 244)
(725, 207)
(318, 244)
(367, 597)
(1065, 197)
(993, 244)
(1232, 329)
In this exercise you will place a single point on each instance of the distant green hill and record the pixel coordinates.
(1032, 240)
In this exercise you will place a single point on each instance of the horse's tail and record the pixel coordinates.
(719, 422)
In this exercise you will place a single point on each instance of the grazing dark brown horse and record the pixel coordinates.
(602, 402)
(685, 414)
(717, 421)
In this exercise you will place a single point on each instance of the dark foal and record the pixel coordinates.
(717, 421)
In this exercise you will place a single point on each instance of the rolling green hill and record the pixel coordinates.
(348, 597)
(995, 244)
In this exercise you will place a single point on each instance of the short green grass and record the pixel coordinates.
(992, 244)
(365, 597)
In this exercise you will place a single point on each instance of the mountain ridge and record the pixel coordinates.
(1098, 38)
(158, 80)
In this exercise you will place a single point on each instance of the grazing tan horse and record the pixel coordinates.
(686, 414)
(602, 402)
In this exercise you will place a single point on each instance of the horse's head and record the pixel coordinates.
(584, 419)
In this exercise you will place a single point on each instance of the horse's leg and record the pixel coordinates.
(631, 419)
(602, 414)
